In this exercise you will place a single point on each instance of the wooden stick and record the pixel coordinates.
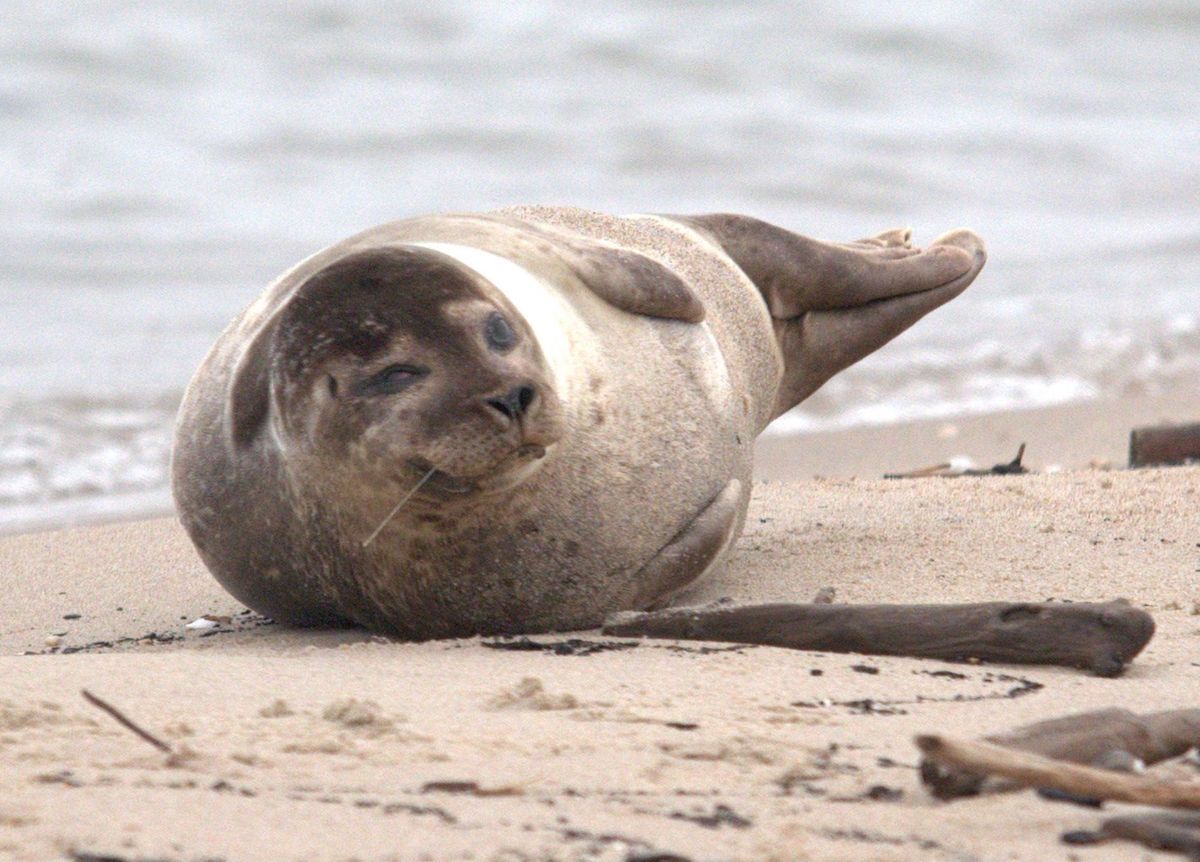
(1088, 738)
(124, 721)
(1102, 638)
(1033, 770)
(1174, 832)
(1164, 444)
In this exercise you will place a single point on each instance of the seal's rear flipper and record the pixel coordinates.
(694, 548)
(834, 303)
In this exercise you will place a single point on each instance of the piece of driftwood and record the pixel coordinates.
(1113, 739)
(1164, 444)
(125, 721)
(1009, 468)
(1102, 638)
(1034, 770)
(1178, 833)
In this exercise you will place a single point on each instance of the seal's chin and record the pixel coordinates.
(510, 471)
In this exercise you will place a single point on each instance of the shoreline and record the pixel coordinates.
(1078, 435)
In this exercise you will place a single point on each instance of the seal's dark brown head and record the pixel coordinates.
(393, 364)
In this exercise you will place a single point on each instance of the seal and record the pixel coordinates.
(520, 421)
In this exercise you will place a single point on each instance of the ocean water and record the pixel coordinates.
(162, 161)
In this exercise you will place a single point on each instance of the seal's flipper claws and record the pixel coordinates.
(898, 237)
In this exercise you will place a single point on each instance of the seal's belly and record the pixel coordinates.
(658, 428)
(646, 453)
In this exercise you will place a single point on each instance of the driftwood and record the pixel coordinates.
(125, 721)
(1164, 444)
(1009, 468)
(1034, 770)
(1179, 833)
(1101, 638)
(1108, 738)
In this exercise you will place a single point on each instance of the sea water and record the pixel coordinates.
(160, 162)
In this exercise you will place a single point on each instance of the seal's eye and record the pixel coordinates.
(389, 380)
(499, 333)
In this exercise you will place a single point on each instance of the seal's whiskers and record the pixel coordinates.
(398, 506)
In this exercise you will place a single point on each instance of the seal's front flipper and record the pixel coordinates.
(632, 282)
(834, 303)
(692, 551)
(627, 280)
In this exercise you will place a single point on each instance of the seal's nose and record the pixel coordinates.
(516, 402)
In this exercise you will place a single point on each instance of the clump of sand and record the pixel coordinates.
(530, 693)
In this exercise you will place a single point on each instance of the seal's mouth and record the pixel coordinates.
(510, 470)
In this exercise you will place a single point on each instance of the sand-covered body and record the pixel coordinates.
(660, 417)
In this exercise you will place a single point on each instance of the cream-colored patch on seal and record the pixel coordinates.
(549, 315)
(712, 372)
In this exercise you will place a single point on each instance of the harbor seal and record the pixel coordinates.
(520, 421)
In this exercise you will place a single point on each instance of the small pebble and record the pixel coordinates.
(201, 623)
(53, 641)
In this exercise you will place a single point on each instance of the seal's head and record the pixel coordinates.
(395, 364)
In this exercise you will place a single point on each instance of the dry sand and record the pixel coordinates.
(323, 745)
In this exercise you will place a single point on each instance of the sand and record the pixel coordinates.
(1071, 436)
(335, 745)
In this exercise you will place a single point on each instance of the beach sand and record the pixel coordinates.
(335, 745)
(1069, 436)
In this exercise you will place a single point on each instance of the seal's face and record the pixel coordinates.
(398, 364)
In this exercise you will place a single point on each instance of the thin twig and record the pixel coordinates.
(1034, 770)
(125, 721)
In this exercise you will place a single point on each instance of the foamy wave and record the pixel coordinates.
(924, 382)
(55, 456)
(913, 401)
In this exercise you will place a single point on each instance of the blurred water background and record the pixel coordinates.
(161, 161)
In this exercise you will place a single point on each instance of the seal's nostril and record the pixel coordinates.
(502, 406)
(525, 396)
(515, 402)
